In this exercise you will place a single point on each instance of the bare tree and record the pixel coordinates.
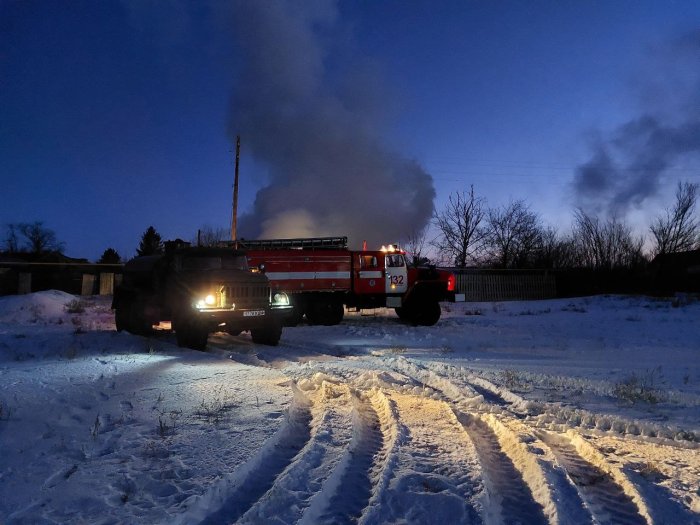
(515, 235)
(415, 247)
(606, 245)
(678, 230)
(460, 225)
(12, 239)
(208, 236)
(555, 250)
(37, 238)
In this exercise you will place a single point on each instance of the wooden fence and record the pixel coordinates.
(75, 278)
(505, 285)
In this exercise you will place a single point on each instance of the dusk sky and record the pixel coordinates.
(354, 116)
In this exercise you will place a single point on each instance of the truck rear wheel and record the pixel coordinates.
(130, 316)
(402, 313)
(297, 314)
(138, 325)
(428, 314)
(326, 313)
(121, 318)
(269, 334)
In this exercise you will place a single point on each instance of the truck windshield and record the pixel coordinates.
(394, 261)
(237, 262)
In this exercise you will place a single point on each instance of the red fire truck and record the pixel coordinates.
(322, 277)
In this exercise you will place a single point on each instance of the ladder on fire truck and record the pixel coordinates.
(310, 243)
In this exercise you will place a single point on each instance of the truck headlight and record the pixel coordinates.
(280, 299)
(207, 302)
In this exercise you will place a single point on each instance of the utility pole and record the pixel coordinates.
(234, 217)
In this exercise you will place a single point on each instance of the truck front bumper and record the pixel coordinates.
(243, 319)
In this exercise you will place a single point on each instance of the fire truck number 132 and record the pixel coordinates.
(322, 277)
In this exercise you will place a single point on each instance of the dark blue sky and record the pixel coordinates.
(117, 115)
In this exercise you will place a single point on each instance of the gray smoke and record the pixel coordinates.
(629, 167)
(315, 129)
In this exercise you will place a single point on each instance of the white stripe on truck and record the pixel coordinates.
(290, 276)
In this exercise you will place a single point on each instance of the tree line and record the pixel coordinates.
(513, 236)
(36, 242)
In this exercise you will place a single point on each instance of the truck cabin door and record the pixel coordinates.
(396, 274)
(369, 275)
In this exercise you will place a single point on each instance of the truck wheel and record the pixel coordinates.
(194, 338)
(326, 313)
(134, 319)
(121, 318)
(295, 317)
(299, 308)
(428, 314)
(402, 313)
(267, 335)
(190, 335)
(335, 314)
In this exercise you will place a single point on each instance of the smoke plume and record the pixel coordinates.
(314, 126)
(629, 166)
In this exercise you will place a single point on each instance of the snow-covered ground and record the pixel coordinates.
(566, 411)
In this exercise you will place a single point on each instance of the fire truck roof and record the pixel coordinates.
(310, 243)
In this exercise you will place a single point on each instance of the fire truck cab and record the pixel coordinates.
(384, 272)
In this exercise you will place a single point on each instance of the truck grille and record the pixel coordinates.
(247, 295)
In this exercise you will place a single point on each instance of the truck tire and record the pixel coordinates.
(121, 318)
(296, 316)
(425, 313)
(402, 313)
(325, 312)
(189, 334)
(299, 307)
(267, 335)
(193, 338)
(428, 314)
(129, 316)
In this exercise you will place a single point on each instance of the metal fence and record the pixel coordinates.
(505, 285)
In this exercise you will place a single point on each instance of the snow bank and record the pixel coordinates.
(49, 307)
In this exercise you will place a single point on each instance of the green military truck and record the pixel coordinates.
(200, 290)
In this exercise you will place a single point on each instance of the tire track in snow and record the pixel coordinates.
(362, 473)
(510, 498)
(606, 500)
(293, 490)
(492, 394)
(569, 497)
(547, 413)
(237, 494)
(508, 494)
(480, 395)
(437, 474)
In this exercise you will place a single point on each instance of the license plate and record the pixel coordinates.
(253, 313)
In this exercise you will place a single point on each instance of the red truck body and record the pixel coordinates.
(322, 276)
